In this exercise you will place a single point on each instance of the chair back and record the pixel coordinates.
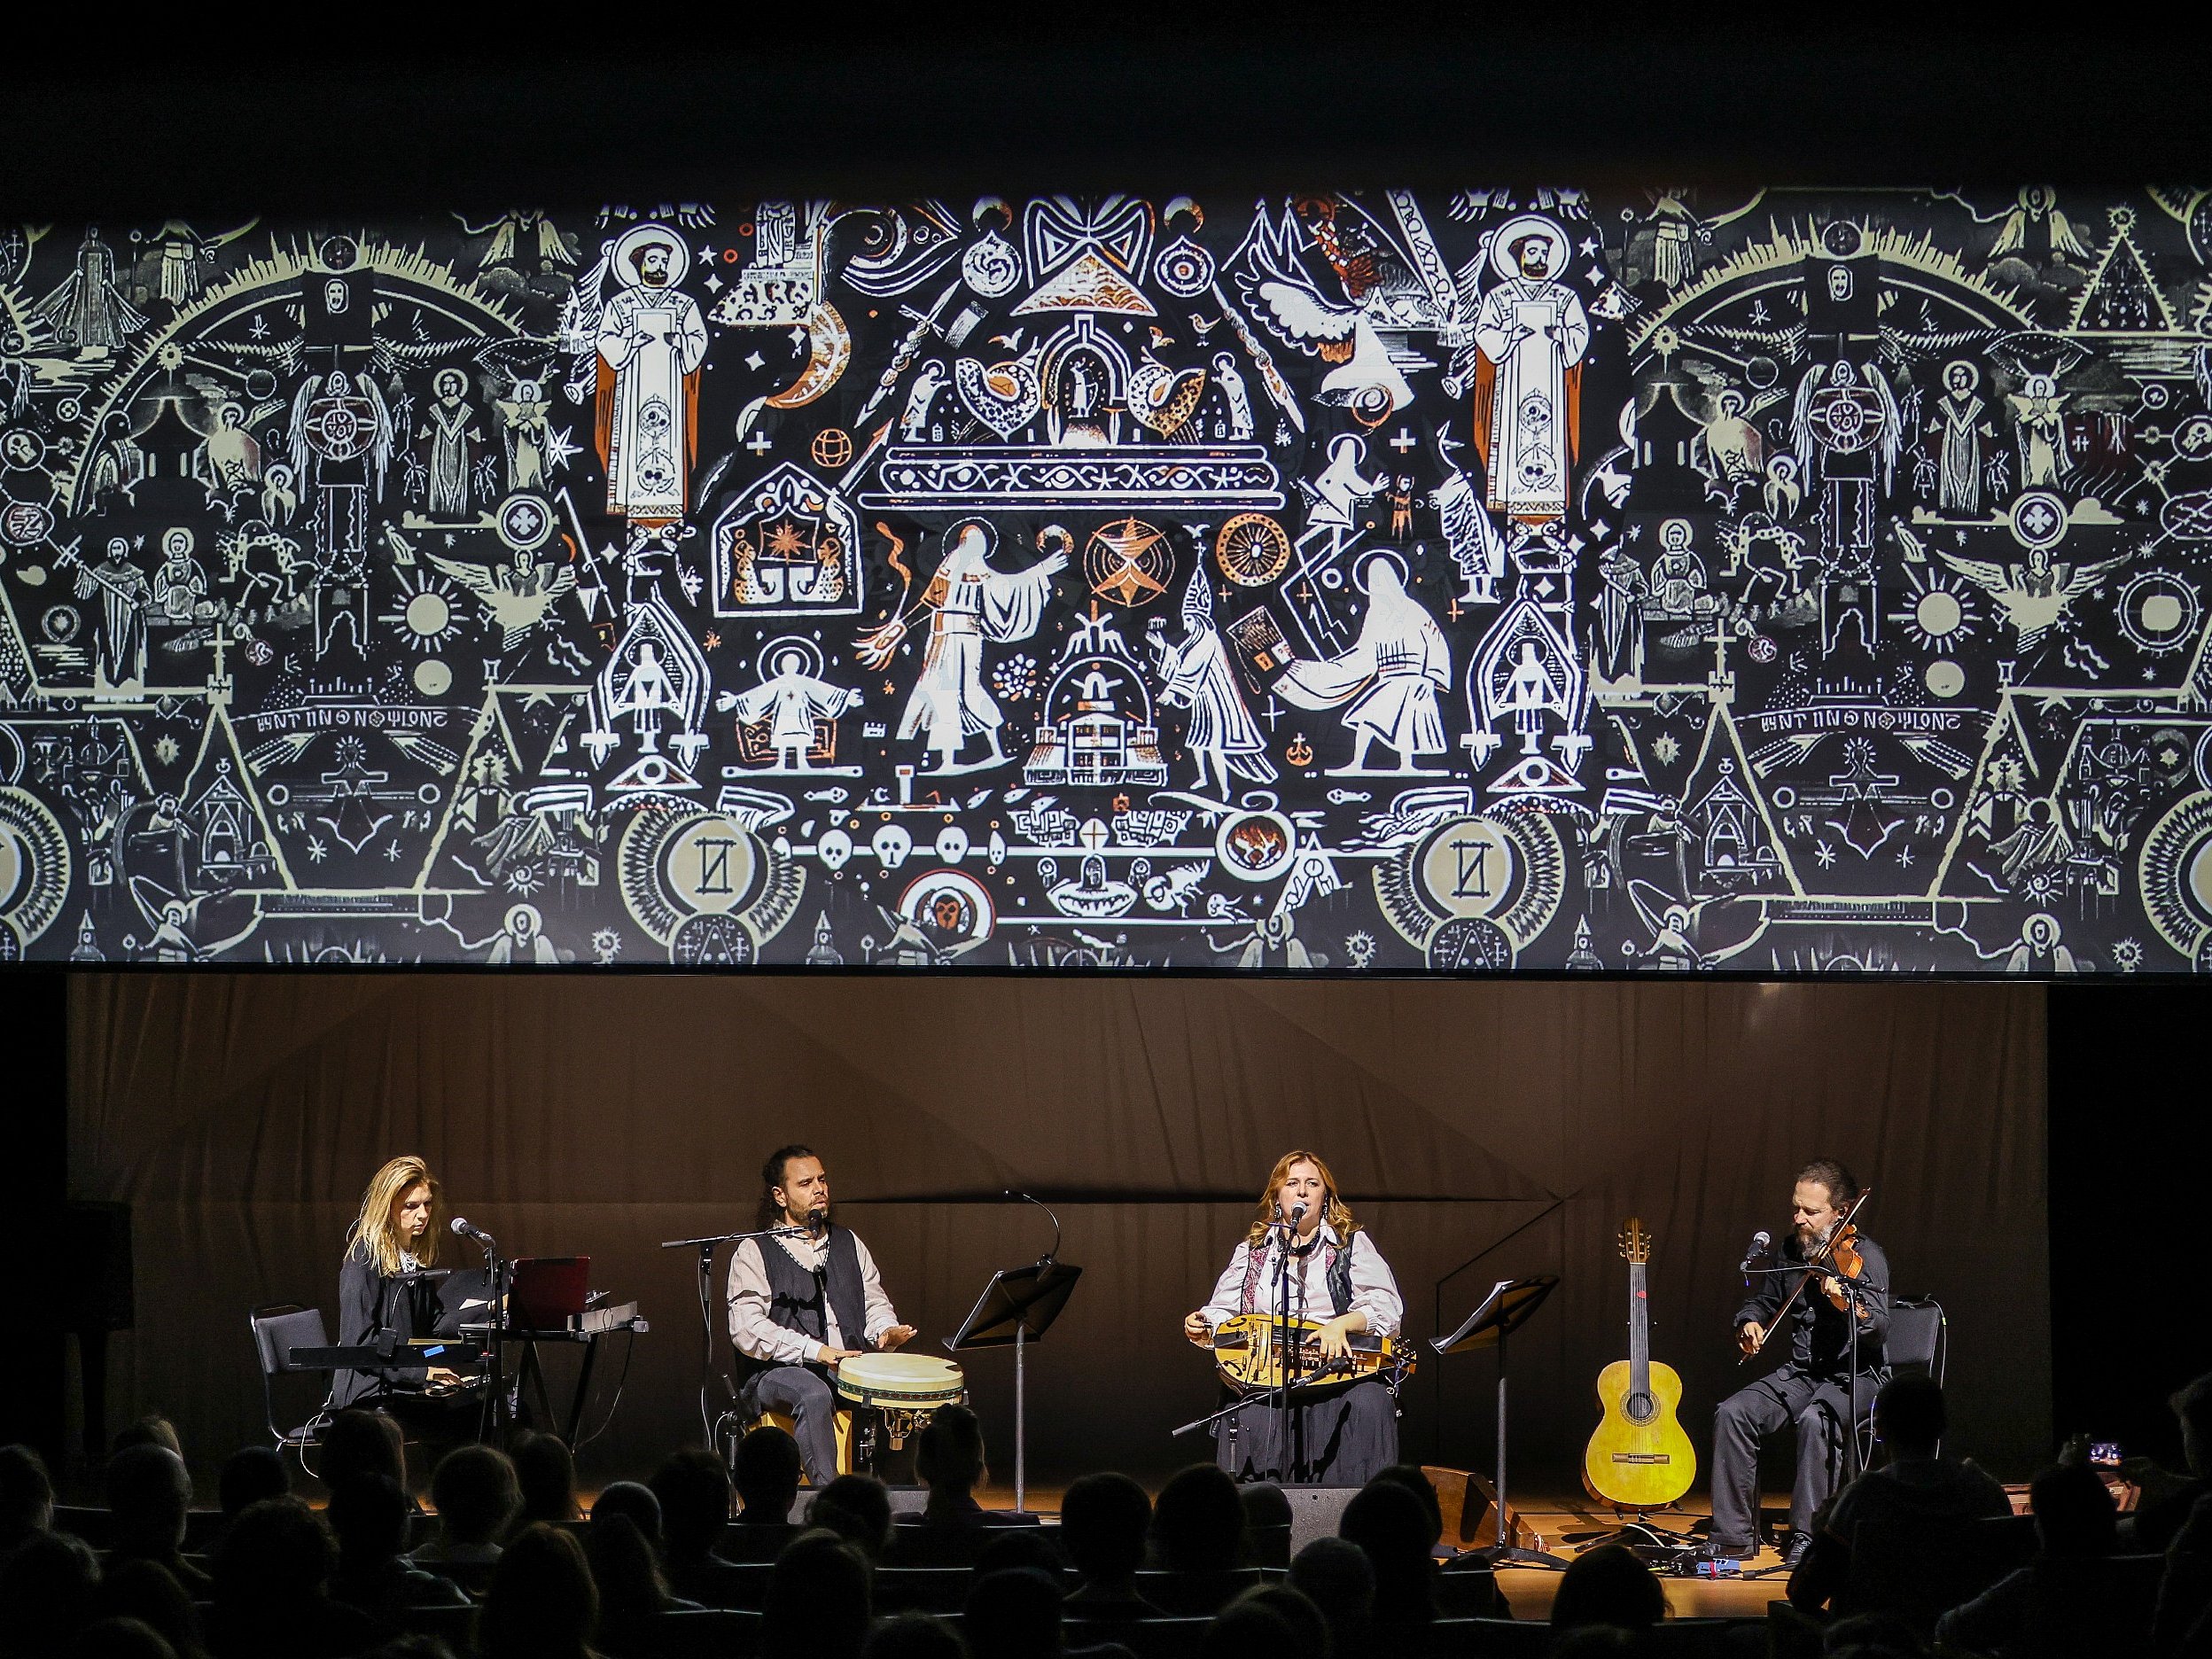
(699, 1633)
(455, 1626)
(1916, 1568)
(1916, 1340)
(922, 1589)
(277, 1330)
(749, 1543)
(1703, 1638)
(1268, 1545)
(1489, 1639)
(1196, 1594)
(280, 1328)
(917, 1545)
(1147, 1639)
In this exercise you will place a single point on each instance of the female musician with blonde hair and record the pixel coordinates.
(1342, 1433)
(394, 1236)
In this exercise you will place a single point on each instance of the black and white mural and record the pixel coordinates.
(1517, 577)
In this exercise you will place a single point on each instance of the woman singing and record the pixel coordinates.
(1341, 1433)
(395, 1236)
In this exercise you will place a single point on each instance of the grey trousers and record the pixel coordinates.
(1768, 1407)
(802, 1396)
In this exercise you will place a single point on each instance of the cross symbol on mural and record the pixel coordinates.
(1404, 440)
(758, 443)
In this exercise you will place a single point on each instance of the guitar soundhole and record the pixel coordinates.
(1640, 1409)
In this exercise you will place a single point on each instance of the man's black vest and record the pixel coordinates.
(797, 1296)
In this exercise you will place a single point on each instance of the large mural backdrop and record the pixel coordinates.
(1366, 580)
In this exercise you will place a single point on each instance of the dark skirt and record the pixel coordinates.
(1345, 1437)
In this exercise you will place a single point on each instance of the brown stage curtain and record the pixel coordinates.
(241, 1115)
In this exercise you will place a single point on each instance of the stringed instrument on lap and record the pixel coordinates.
(1244, 1353)
(1639, 1458)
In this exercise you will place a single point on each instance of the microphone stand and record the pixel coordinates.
(1290, 1427)
(706, 1248)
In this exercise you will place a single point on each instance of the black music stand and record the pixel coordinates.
(1510, 1304)
(1017, 1308)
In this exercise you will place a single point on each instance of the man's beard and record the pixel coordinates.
(805, 1218)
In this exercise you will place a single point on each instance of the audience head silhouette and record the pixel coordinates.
(1608, 1586)
(541, 1603)
(1198, 1523)
(1013, 1616)
(693, 1488)
(1335, 1575)
(1388, 1522)
(27, 1495)
(545, 1475)
(818, 1599)
(1910, 1418)
(949, 1454)
(857, 1508)
(363, 1443)
(251, 1474)
(149, 1491)
(476, 1494)
(1103, 1520)
(47, 1594)
(767, 1476)
(2074, 1510)
(369, 1516)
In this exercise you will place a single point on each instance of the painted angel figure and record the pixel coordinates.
(1530, 337)
(968, 602)
(517, 596)
(1387, 683)
(1196, 674)
(2038, 411)
(648, 341)
(791, 700)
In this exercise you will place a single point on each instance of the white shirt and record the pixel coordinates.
(1374, 1289)
(758, 1337)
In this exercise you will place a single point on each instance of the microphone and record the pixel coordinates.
(1052, 1254)
(818, 1218)
(465, 1228)
(1298, 1214)
(1760, 1241)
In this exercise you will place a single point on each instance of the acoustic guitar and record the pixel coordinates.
(1639, 1458)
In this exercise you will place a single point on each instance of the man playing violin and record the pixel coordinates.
(802, 1303)
(1816, 1388)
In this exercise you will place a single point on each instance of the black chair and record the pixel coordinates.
(1196, 1594)
(1147, 1639)
(1484, 1638)
(919, 1545)
(96, 1526)
(1918, 1570)
(1269, 1545)
(1919, 1340)
(1703, 1638)
(901, 1589)
(699, 1633)
(277, 1330)
(747, 1543)
(1467, 1593)
(455, 1626)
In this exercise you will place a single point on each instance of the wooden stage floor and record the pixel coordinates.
(1558, 1519)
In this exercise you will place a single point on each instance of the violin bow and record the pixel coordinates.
(1814, 1265)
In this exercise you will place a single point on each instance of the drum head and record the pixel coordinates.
(896, 1379)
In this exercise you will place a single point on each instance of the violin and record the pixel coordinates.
(1833, 1260)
